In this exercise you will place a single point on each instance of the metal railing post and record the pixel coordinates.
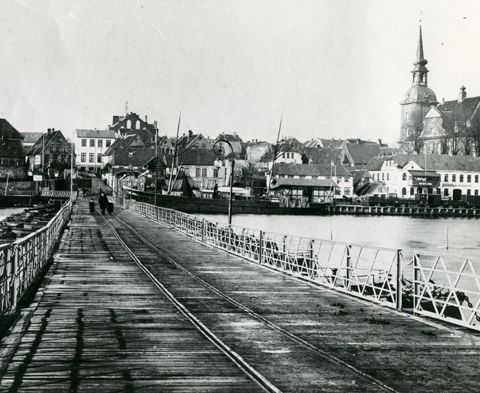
(260, 247)
(15, 278)
(415, 281)
(203, 230)
(348, 273)
(398, 286)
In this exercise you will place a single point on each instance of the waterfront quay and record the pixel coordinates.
(131, 304)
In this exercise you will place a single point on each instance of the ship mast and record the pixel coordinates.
(170, 185)
(275, 151)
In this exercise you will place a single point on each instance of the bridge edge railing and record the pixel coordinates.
(22, 261)
(376, 274)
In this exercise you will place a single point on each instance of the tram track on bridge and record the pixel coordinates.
(291, 336)
(244, 366)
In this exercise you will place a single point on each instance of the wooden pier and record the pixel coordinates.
(130, 305)
(414, 211)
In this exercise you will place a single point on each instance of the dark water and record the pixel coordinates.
(426, 236)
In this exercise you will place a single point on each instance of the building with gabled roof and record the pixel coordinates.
(203, 166)
(50, 155)
(409, 175)
(310, 180)
(131, 123)
(12, 153)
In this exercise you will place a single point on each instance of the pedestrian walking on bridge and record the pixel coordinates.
(103, 202)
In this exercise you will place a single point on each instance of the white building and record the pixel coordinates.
(300, 178)
(90, 146)
(407, 175)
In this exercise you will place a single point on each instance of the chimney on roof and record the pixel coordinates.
(190, 134)
(146, 119)
(379, 141)
(443, 101)
(463, 94)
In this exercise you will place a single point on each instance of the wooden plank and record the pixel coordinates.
(102, 325)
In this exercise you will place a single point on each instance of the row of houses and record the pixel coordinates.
(295, 172)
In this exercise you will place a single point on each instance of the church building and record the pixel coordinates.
(451, 127)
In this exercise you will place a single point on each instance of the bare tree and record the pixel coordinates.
(415, 129)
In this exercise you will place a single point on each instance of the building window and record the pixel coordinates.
(469, 178)
(91, 157)
(476, 178)
(412, 191)
(197, 172)
(47, 158)
(383, 176)
(469, 192)
(99, 157)
(404, 176)
(461, 179)
(454, 178)
(92, 142)
(404, 191)
(100, 143)
(215, 172)
(476, 192)
(388, 176)
(445, 178)
(204, 172)
(107, 144)
(83, 157)
(445, 192)
(84, 142)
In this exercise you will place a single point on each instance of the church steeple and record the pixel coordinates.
(420, 71)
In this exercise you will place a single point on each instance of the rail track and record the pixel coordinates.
(250, 371)
(134, 243)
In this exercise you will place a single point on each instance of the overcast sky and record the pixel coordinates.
(331, 68)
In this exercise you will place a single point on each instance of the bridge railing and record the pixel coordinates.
(367, 272)
(23, 260)
(419, 284)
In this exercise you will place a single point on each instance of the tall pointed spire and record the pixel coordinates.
(420, 71)
(420, 58)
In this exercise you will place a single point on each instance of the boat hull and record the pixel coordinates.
(220, 206)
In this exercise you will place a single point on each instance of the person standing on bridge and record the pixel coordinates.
(103, 202)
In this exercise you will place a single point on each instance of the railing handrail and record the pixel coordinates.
(351, 272)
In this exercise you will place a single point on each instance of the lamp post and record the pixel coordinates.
(219, 150)
(156, 163)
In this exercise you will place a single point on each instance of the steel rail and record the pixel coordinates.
(241, 363)
(325, 355)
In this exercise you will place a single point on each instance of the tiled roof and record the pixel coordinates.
(323, 156)
(44, 141)
(229, 137)
(362, 153)
(276, 183)
(434, 162)
(84, 133)
(375, 164)
(201, 157)
(458, 111)
(8, 131)
(283, 168)
(332, 143)
(135, 156)
(31, 137)
(289, 145)
(368, 188)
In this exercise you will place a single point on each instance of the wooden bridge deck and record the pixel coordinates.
(100, 324)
